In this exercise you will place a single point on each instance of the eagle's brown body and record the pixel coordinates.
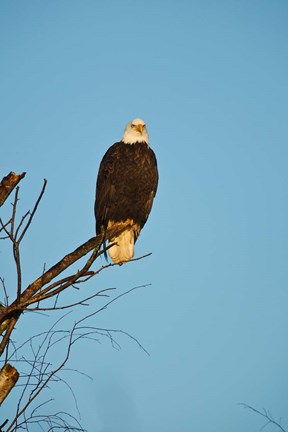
(126, 186)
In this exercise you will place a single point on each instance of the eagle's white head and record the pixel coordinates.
(136, 132)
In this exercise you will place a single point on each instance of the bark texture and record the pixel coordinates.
(8, 378)
(7, 185)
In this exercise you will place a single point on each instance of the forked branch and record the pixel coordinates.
(267, 416)
(40, 289)
(48, 285)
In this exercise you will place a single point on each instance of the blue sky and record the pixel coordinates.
(210, 80)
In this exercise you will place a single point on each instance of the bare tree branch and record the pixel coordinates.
(8, 183)
(42, 372)
(39, 371)
(27, 296)
(267, 416)
(8, 378)
(32, 214)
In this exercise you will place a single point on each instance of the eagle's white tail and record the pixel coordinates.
(123, 249)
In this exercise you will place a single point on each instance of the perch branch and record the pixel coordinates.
(28, 296)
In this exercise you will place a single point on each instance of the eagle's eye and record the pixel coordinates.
(132, 125)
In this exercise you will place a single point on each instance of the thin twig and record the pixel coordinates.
(81, 302)
(5, 291)
(266, 414)
(21, 223)
(112, 301)
(14, 207)
(4, 225)
(46, 381)
(33, 211)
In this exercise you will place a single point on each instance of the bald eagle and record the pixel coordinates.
(126, 186)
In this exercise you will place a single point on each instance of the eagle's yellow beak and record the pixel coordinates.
(139, 128)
